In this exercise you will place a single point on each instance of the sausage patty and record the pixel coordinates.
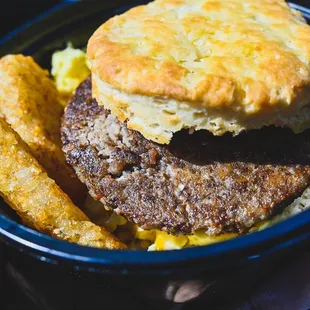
(197, 182)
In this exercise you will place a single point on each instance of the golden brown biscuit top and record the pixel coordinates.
(244, 55)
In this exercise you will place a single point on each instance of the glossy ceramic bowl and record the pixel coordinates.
(174, 276)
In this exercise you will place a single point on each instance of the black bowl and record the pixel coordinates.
(174, 276)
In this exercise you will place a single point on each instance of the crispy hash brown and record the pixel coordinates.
(29, 103)
(39, 201)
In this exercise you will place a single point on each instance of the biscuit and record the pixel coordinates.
(224, 66)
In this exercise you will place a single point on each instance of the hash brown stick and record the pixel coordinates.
(29, 102)
(39, 201)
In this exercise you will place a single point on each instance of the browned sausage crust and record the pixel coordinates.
(217, 184)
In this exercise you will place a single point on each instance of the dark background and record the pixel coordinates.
(14, 13)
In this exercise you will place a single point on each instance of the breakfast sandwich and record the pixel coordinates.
(194, 120)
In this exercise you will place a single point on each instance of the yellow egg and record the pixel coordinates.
(145, 234)
(165, 241)
(69, 69)
(200, 238)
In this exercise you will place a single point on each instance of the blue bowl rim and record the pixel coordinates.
(248, 246)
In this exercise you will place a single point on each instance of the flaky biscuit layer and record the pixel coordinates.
(240, 63)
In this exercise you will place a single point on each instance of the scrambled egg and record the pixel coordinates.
(164, 241)
(69, 68)
(161, 240)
